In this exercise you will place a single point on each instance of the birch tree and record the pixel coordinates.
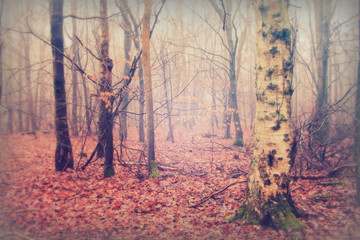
(269, 200)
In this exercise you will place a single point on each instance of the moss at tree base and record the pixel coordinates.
(109, 171)
(277, 214)
(154, 171)
(239, 143)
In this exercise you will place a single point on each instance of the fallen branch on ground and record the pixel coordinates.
(216, 193)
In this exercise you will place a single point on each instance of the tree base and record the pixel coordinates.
(239, 143)
(279, 215)
(109, 171)
(154, 171)
(63, 158)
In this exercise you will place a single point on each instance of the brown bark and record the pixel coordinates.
(150, 134)
(106, 105)
(74, 120)
(63, 153)
(1, 47)
(357, 127)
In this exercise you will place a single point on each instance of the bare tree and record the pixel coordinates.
(231, 47)
(134, 30)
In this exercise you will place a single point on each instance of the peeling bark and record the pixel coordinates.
(269, 200)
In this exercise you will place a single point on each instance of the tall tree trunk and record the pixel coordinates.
(322, 23)
(86, 96)
(1, 47)
(142, 103)
(125, 97)
(20, 103)
(106, 105)
(123, 5)
(269, 201)
(74, 120)
(214, 120)
(63, 153)
(357, 127)
(233, 109)
(168, 109)
(150, 134)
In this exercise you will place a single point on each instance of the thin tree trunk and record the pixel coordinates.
(63, 153)
(150, 134)
(322, 22)
(141, 102)
(168, 110)
(233, 109)
(269, 201)
(74, 120)
(125, 97)
(214, 120)
(357, 127)
(106, 105)
(1, 47)
(20, 103)
(123, 5)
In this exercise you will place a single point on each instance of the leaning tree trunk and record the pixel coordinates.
(150, 135)
(63, 154)
(269, 200)
(106, 98)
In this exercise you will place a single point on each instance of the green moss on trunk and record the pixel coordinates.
(278, 213)
(109, 171)
(154, 171)
(238, 142)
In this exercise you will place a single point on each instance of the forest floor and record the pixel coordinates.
(38, 203)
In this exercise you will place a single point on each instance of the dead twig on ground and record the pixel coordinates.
(216, 193)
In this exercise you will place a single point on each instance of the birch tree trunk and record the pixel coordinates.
(63, 154)
(150, 135)
(269, 201)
